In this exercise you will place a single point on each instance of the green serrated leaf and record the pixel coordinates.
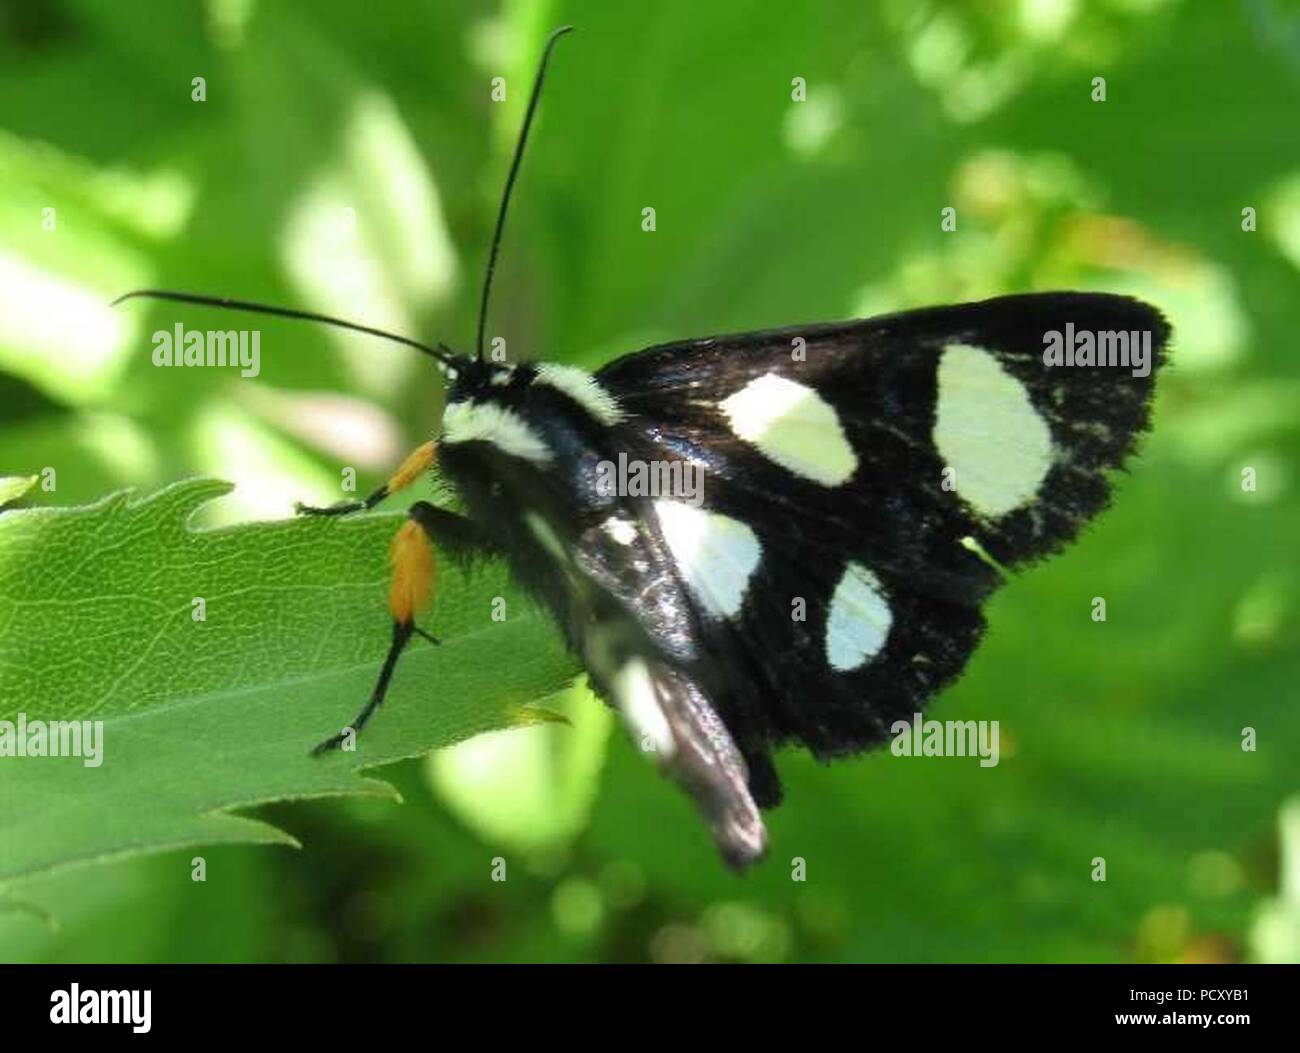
(98, 623)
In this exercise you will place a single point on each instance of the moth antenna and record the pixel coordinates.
(440, 352)
(510, 181)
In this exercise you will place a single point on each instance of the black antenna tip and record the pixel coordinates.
(511, 175)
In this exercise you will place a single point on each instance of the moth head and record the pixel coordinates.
(468, 377)
(485, 408)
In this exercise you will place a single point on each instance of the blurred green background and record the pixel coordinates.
(348, 157)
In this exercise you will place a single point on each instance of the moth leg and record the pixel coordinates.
(414, 575)
(401, 636)
(454, 534)
(417, 462)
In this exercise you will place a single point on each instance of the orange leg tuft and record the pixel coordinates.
(417, 462)
(414, 572)
(414, 576)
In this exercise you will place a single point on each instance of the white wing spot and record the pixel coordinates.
(987, 430)
(470, 421)
(791, 424)
(715, 554)
(583, 388)
(623, 531)
(859, 619)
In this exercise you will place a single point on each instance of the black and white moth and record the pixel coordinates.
(860, 485)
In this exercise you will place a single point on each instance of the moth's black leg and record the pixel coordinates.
(414, 576)
(341, 508)
(417, 462)
(401, 636)
(454, 534)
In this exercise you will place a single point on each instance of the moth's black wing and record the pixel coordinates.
(881, 377)
(899, 515)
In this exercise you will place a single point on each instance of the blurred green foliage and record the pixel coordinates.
(348, 158)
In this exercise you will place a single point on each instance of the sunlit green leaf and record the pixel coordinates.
(201, 715)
